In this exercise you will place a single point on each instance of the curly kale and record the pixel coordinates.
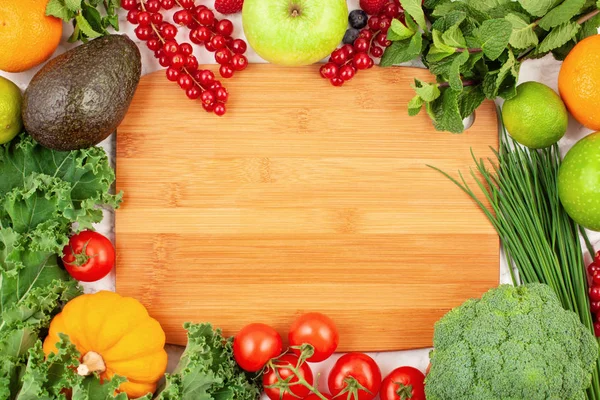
(514, 343)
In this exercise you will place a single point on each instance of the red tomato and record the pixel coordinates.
(89, 256)
(290, 391)
(319, 331)
(402, 384)
(356, 376)
(313, 396)
(255, 345)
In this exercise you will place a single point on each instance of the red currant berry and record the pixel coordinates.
(193, 93)
(220, 109)
(384, 24)
(156, 19)
(216, 85)
(206, 78)
(208, 107)
(595, 293)
(376, 51)
(374, 23)
(186, 49)
(218, 42)
(226, 71)
(209, 46)
(365, 34)
(182, 17)
(191, 63)
(347, 72)
(128, 4)
(198, 9)
(224, 27)
(154, 44)
(239, 62)
(593, 268)
(170, 47)
(371, 63)
(595, 306)
(597, 257)
(152, 6)
(185, 81)
(391, 10)
(339, 57)
(172, 74)
(164, 61)
(208, 97)
(187, 3)
(596, 280)
(159, 53)
(238, 46)
(329, 70)
(361, 45)
(143, 18)
(222, 94)
(143, 32)
(206, 17)
(382, 40)
(168, 31)
(132, 16)
(337, 81)
(167, 4)
(348, 49)
(193, 24)
(194, 36)
(597, 329)
(177, 61)
(361, 61)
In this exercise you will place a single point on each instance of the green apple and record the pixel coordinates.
(579, 182)
(294, 32)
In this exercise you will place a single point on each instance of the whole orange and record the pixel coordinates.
(27, 36)
(579, 82)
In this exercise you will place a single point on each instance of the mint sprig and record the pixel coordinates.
(88, 21)
(475, 48)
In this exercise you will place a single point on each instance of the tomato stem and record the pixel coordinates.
(297, 374)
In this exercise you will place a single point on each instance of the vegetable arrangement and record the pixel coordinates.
(475, 48)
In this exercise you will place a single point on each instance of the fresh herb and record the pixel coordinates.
(207, 370)
(88, 22)
(42, 194)
(520, 198)
(475, 48)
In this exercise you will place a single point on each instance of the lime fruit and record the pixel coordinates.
(536, 117)
(10, 110)
(579, 182)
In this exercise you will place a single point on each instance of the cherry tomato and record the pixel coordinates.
(290, 390)
(89, 256)
(255, 345)
(319, 331)
(313, 396)
(402, 384)
(356, 376)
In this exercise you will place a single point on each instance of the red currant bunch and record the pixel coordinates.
(594, 291)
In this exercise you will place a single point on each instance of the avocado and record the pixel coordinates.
(80, 97)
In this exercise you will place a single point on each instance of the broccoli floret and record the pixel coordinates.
(514, 343)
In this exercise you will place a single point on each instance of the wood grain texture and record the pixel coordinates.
(304, 197)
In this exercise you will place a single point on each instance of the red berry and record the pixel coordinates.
(376, 51)
(168, 31)
(339, 57)
(208, 97)
(164, 61)
(218, 42)
(182, 17)
(186, 49)
(143, 32)
(207, 107)
(223, 56)
(329, 70)
(170, 47)
(191, 63)
(193, 25)
(152, 6)
(226, 71)
(361, 45)
(216, 85)
(595, 293)
(238, 46)
(129, 4)
(194, 36)
(597, 329)
(172, 74)
(193, 93)
(224, 27)
(185, 81)
(348, 49)
(371, 63)
(159, 53)
(384, 24)
(239, 62)
(229, 6)
(222, 94)
(154, 44)
(167, 4)
(198, 9)
(143, 18)
(361, 61)
(177, 61)
(206, 17)
(372, 7)
(206, 78)
(596, 280)
(593, 268)
(382, 40)
(391, 10)
(597, 257)
(373, 23)
(156, 18)
(595, 307)
(220, 109)
(132, 16)
(187, 3)
(347, 72)
(336, 81)
(366, 34)
(209, 46)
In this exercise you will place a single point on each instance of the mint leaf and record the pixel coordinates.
(559, 36)
(73, 5)
(561, 14)
(439, 50)
(426, 91)
(415, 105)
(446, 113)
(399, 31)
(470, 99)
(86, 28)
(537, 7)
(415, 10)
(455, 81)
(453, 37)
(94, 18)
(523, 35)
(402, 51)
(494, 35)
(449, 20)
(486, 5)
(502, 82)
(58, 9)
(446, 8)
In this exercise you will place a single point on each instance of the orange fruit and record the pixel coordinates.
(579, 82)
(27, 36)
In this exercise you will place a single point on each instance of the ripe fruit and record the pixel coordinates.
(27, 36)
(229, 6)
(372, 7)
(579, 82)
(350, 36)
(10, 110)
(358, 19)
(329, 70)
(536, 117)
(578, 183)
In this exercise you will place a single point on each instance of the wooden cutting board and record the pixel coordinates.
(304, 197)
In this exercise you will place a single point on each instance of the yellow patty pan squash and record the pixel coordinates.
(115, 336)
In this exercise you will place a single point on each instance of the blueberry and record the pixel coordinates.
(358, 19)
(350, 36)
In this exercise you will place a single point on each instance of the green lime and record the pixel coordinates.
(10, 110)
(536, 117)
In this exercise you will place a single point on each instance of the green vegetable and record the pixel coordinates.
(475, 47)
(514, 343)
(42, 194)
(538, 236)
(88, 22)
(207, 370)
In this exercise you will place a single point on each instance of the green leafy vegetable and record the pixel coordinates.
(87, 21)
(208, 371)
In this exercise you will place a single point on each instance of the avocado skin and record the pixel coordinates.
(80, 97)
